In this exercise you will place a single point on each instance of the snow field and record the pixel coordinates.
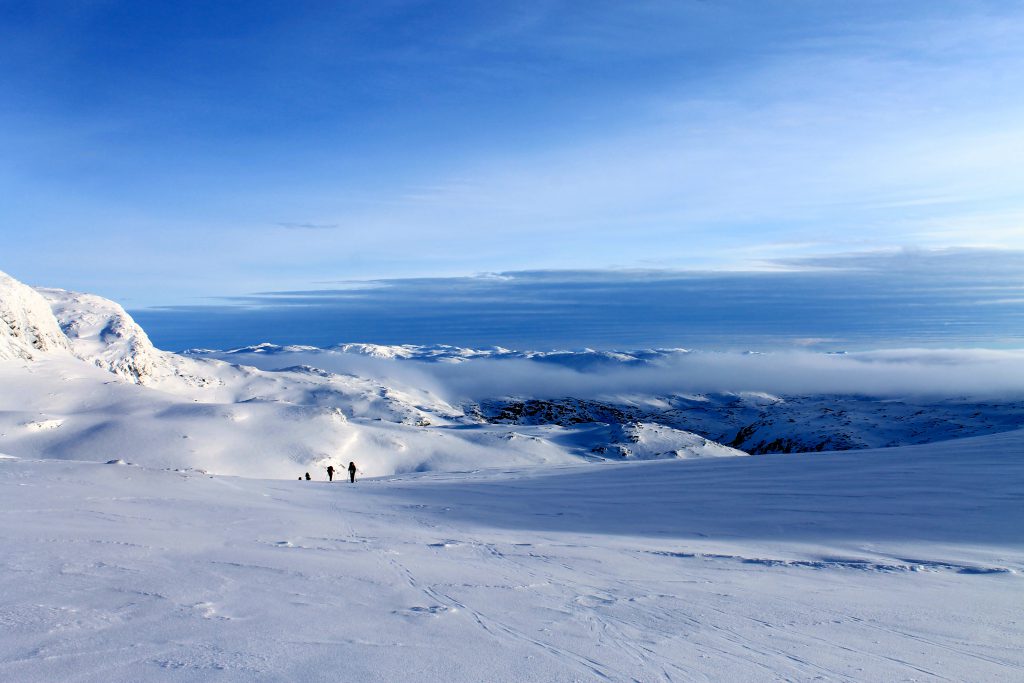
(897, 564)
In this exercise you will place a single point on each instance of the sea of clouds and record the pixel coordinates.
(973, 373)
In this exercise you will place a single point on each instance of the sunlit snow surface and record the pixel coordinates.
(534, 516)
(897, 564)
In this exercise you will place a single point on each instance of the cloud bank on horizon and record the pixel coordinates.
(936, 299)
(960, 373)
(160, 151)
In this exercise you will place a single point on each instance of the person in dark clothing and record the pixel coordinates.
(330, 473)
(352, 472)
(307, 476)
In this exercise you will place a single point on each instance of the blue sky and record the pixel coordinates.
(158, 153)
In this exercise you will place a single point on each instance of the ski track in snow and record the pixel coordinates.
(124, 573)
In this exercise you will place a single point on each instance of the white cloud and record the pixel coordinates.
(900, 372)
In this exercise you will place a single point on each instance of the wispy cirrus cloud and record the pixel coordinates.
(308, 226)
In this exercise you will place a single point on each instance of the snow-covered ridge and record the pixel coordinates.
(444, 353)
(39, 323)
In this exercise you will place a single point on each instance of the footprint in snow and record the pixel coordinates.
(432, 611)
(593, 600)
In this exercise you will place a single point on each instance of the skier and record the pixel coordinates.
(307, 476)
(352, 472)
(330, 473)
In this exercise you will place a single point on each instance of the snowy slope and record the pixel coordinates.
(282, 424)
(893, 565)
(276, 425)
(28, 329)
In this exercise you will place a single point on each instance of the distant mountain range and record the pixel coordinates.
(83, 381)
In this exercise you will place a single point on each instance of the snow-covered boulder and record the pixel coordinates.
(27, 325)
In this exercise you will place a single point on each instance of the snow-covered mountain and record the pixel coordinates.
(580, 359)
(28, 329)
(85, 382)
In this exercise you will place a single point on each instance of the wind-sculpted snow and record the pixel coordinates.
(895, 565)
